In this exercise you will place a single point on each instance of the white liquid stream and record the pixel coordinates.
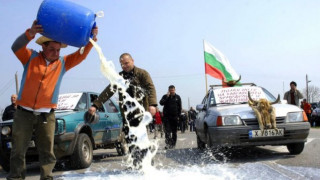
(108, 70)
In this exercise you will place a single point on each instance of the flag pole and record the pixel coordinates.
(205, 74)
(206, 84)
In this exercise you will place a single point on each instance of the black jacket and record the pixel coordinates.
(9, 112)
(171, 105)
(192, 114)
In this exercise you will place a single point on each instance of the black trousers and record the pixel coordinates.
(170, 124)
(182, 126)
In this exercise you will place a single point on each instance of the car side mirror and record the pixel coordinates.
(92, 119)
(201, 107)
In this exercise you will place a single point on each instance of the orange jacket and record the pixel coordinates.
(307, 108)
(40, 83)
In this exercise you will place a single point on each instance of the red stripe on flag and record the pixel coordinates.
(214, 72)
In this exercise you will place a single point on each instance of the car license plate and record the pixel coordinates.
(266, 133)
(30, 144)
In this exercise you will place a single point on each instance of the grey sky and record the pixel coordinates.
(268, 42)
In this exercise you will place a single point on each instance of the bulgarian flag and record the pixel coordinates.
(217, 65)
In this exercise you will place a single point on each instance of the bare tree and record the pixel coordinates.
(314, 93)
(1, 112)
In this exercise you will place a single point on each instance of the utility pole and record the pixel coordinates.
(307, 82)
(17, 84)
(188, 103)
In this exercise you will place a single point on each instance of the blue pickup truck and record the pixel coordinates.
(76, 135)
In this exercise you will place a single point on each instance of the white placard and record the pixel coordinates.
(237, 94)
(68, 101)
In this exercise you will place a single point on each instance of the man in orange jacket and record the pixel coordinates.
(307, 110)
(37, 99)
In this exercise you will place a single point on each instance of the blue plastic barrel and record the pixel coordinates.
(66, 22)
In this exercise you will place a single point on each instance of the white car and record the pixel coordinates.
(225, 119)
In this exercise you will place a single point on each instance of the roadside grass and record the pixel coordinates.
(317, 127)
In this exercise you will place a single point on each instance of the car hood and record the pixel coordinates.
(246, 112)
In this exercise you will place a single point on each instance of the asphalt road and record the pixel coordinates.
(186, 154)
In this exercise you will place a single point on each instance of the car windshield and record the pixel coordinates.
(71, 101)
(238, 95)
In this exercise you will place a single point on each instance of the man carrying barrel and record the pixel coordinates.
(38, 98)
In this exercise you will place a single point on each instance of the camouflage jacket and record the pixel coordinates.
(141, 85)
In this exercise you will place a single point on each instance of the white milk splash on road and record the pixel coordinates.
(108, 70)
(243, 171)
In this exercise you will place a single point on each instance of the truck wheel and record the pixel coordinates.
(295, 148)
(5, 163)
(83, 153)
(201, 145)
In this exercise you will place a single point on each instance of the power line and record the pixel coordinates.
(5, 87)
(153, 77)
(173, 76)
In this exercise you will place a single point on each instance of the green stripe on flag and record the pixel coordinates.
(212, 61)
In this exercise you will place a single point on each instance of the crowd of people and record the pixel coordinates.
(185, 122)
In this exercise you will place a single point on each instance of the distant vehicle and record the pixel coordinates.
(226, 120)
(315, 115)
(314, 105)
(75, 135)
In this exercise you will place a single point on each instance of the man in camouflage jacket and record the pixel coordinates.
(142, 89)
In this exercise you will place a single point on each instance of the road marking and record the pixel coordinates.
(284, 148)
(309, 140)
(283, 170)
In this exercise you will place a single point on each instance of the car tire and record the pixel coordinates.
(5, 162)
(201, 145)
(295, 148)
(83, 153)
(209, 142)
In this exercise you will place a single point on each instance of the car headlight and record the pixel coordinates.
(6, 130)
(295, 117)
(229, 120)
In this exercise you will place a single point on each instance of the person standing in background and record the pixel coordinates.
(11, 109)
(192, 117)
(307, 110)
(293, 95)
(171, 103)
(158, 128)
(183, 120)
